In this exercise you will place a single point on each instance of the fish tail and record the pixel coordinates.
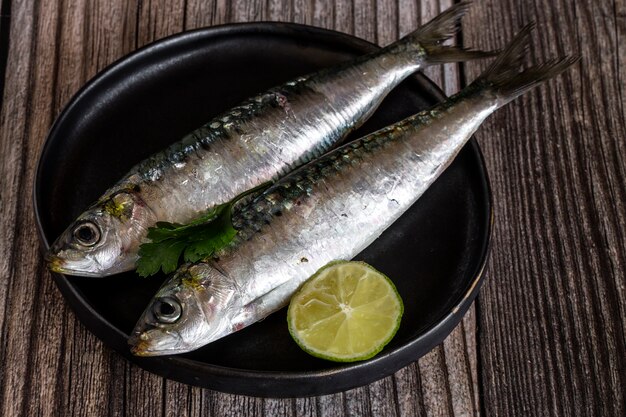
(505, 78)
(428, 39)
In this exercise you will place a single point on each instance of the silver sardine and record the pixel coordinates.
(330, 209)
(253, 143)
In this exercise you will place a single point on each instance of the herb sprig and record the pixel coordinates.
(193, 241)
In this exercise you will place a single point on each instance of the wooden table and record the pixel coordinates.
(547, 334)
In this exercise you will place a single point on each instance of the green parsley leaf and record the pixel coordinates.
(194, 241)
(156, 256)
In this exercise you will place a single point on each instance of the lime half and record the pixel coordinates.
(347, 311)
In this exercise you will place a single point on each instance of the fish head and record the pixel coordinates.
(103, 240)
(193, 308)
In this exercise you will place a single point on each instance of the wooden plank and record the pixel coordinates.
(25, 358)
(280, 10)
(157, 19)
(233, 405)
(13, 134)
(551, 317)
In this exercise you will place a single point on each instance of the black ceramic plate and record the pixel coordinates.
(435, 253)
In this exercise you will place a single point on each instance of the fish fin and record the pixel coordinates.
(505, 77)
(428, 39)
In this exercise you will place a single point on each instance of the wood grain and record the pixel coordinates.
(552, 313)
(548, 337)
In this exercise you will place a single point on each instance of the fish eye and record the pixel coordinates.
(87, 234)
(167, 310)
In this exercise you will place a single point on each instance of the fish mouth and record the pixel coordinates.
(54, 263)
(141, 345)
(59, 265)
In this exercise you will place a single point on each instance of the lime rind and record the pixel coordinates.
(346, 331)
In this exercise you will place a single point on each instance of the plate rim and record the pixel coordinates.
(265, 383)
